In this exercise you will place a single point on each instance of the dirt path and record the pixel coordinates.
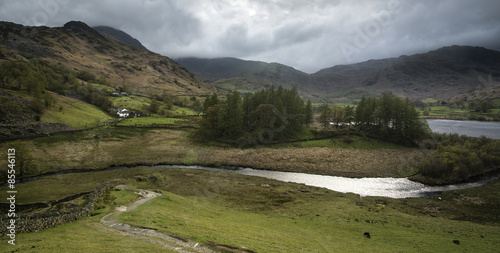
(148, 234)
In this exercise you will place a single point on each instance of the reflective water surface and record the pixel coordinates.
(384, 187)
(464, 127)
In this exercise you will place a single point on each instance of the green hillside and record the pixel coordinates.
(75, 113)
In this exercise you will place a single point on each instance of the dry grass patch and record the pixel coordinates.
(131, 147)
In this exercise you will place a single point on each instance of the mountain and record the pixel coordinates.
(120, 36)
(442, 73)
(78, 47)
(233, 73)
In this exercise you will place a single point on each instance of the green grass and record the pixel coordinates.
(75, 113)
(350, 94)
(444, 111)
(352, 141)
(430, 100)
(496, 103)
(132, 102)
(85, 235)
(231, 87)
(225, 86)
(323, 224)
(136, 103)
(495, 111)
(267, 216)
(184, 111)
(149, 121)
(101, 87)
(71, 112)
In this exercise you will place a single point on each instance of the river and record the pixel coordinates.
(464, 127)
(383, 187)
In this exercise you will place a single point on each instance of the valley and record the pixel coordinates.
(81, 100)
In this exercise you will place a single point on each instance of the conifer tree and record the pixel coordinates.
(309, 114)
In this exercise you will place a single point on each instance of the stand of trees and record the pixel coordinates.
(267, 115)
(391, 118)
(458, 158)
(388, 117)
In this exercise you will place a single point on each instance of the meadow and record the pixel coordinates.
(234, 213)
(70, 111)
(108, 146)
(149, 121)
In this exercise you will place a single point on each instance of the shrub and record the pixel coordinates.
(86, 76)
(461, 157)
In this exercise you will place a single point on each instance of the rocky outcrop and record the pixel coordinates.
(12, 132)
(14, 110)
(23, 39)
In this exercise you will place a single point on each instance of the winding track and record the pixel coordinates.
(147, 234)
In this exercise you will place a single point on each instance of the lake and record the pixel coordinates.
(464, 127)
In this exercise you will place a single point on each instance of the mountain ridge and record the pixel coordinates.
(82, 48)
(442, 73)
(120, 36)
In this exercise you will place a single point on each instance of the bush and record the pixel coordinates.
(461, 157)
(86, 76)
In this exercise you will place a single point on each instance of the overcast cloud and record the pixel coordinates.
(306, 34)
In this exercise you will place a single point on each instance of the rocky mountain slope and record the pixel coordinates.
(81, 48)
(442, 74)
(120, 36)
(232, 73)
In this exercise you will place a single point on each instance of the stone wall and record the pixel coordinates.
(27, 223)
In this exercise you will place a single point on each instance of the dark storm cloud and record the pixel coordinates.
(308, 35)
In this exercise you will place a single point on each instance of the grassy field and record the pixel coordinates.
(215, 208)
(136, 103)
(349, 142)
(75, 113)
(183, 111)
(105, 147)
(149, 121)
(132, 102)
(350, 94)
(446, 111)
(85, 235)
(71, 112)
(232, 87)
(457, 113)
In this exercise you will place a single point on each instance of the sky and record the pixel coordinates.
(308, 35)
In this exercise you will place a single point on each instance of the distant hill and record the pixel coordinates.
(233, 73)
(443, 74)
(120, 36)
(82, 48)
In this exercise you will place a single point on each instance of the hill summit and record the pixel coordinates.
(120, 36)
(441, 74)
(79, 47)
